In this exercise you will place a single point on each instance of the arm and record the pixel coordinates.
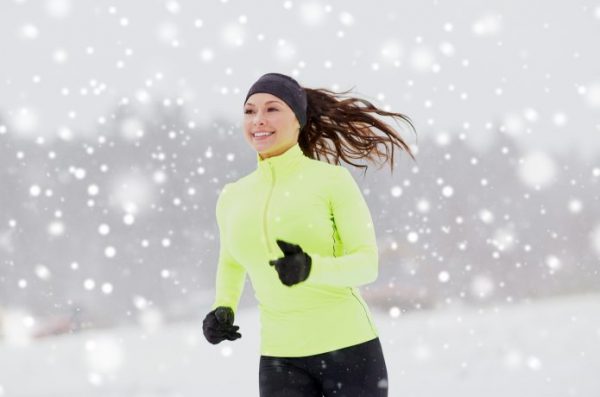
(359, 264)
(230, 274)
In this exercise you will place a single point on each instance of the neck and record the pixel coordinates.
(278, 153)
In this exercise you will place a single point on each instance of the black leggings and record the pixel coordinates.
(354, 371)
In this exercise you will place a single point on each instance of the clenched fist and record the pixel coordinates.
(294, 267)
(218, 325)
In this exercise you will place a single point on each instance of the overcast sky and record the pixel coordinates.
(532, 68)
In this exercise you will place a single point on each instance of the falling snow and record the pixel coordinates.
(115, 145)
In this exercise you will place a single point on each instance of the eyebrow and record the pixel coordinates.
(250, 103)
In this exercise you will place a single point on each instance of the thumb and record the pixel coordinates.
(288, 248)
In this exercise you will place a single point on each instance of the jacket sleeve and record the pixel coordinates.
(231, 276)
(359, 263)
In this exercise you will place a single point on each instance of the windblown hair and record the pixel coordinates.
(342, 128)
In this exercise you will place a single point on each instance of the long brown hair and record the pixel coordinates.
(349, 128)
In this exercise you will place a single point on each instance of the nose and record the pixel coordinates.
(258, 118)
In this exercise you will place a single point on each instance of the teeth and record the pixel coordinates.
(262, 133)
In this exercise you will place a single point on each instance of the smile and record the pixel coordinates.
(261, 136)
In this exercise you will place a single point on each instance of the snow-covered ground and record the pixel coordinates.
(545, 348)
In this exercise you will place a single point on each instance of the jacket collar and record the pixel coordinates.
(280, 165)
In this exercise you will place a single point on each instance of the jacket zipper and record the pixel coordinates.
(266, 208)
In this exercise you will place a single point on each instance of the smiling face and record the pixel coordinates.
(264, 112)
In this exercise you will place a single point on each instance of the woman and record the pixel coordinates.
(301, 229)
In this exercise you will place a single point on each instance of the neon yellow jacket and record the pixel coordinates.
(320, 207)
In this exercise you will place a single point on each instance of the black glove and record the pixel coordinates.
(218, 325)
(294, 267)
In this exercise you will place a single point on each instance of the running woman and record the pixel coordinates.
(301, 229)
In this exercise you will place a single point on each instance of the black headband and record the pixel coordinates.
(283, 87)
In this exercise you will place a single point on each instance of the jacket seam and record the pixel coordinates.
(350, 288)
(365, 310)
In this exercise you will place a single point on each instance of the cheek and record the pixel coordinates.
(278, 121)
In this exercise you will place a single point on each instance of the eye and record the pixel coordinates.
(250, 110)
